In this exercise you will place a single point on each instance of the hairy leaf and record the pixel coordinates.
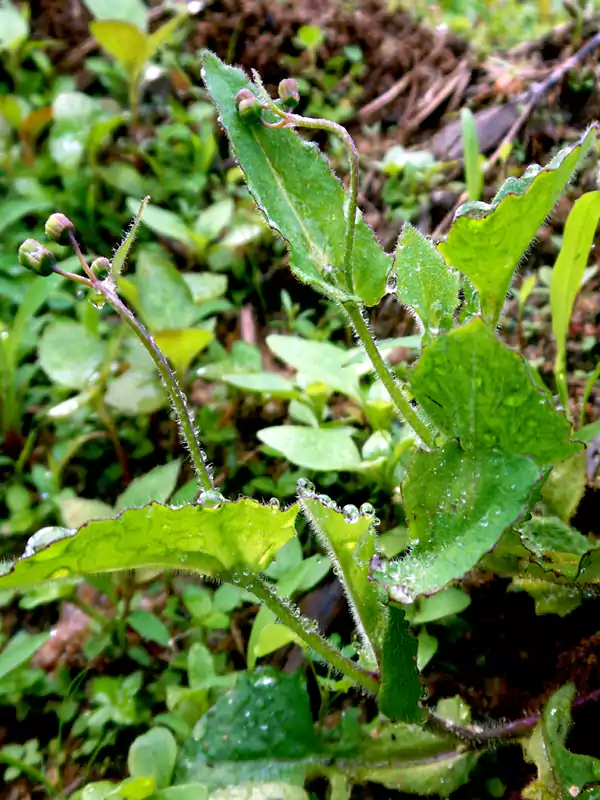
(478, 391)
(425, 283)
(554, 546)
(486, 241)
(458, 505)
(351, 546)
(561, 774)
(298, 194)
(400, 691)
(212, 541)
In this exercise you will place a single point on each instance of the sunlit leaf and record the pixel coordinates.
(317, 361)
(157, 485)
(124, 41)
(182, 346)
(153, 754)
(486, 241)
(164, 298)
(136, 392)
(133, 11)
(69, 354)
(213, 541)
(297, 192)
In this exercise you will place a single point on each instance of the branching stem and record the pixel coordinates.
(362, 677)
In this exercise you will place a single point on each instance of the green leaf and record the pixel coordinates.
(349, 540)
(486, 241)
(150, 627)
(182, 346)
(261, 790)
(317, 362)
(166, 223)
(205, 286)
(458, 505)
(588, 432)
(473, 171)
(565, 486)
(153, 754)
(133, 11)
(76, 511)
(425, 283)
(186, 791)
(163, 34)
(477, 390)
(158, 485)
(298, 194)
(164, 298)
(268, 383)
(69, 354)
(277, 731)
(554, 545)
(567, 275)
(19, 650)
(129, 789)
(561, 774)
(412, 759)
(213, 541)
(13, 26)
(125, 42)
(136, 392)
(322, 449)
(400, 691)
(118, 260)
(549, 597)
(445, 604)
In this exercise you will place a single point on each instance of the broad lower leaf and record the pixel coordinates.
(458, 505)
(478, 391)
(69, 354)
(213, 541)
(157, 485)
(567, 275)
(400, 691)
(425, 283)
(561, 774)
(486, 241)
(270, 384)
(349, 540)
(181, 346)
(298, 194)
(273, 743)
(321, 449)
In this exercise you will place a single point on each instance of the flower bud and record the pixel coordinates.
(100, 265)
(58, 228)
(247, 103)
(36, 257)
(288, 92)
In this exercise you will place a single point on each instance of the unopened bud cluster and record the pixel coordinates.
(37, 258)
(288, 93)
(248, 104)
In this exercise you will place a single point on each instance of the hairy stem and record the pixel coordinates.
(362, 677)
(176, 394)
(386, 376)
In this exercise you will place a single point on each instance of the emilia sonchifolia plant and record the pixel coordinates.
(487, 441)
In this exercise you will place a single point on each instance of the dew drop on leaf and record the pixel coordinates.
(351, 514)
(210, 498)
(305, 488)
(392, 283)
(274, 503)
(367, 510)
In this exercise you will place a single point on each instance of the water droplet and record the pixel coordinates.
(235, 578)
(367, 510)
(351, 514)
(97, 300)
(211, 498)
(392, 283)
(274, 503)
(305, 488)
